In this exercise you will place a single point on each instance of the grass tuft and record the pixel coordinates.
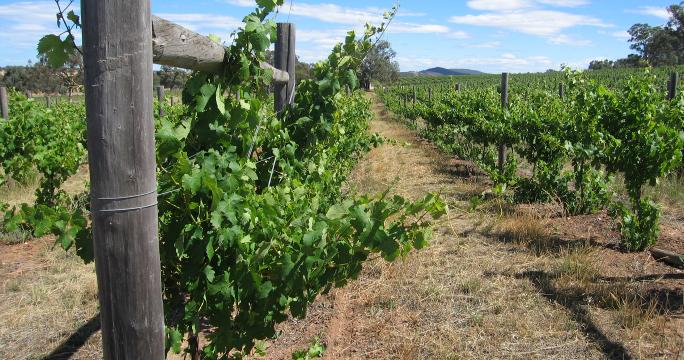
(527, 231)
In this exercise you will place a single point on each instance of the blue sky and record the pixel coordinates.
(487, 35)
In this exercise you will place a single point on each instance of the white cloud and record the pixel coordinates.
(656, 11)
(413, 28)
(24, 23)
(564, 3)
(544, 23)
(486, 45)
(563, 39)
(336, 14)
(508, 5)
(530, 17)
(458, 35)
(621, 35)
(31, 27)
(333, 13)
(243, 3)
(321, 39)
(204, 23)
(37, 11)
(401, 13)
(325, 12)
(499, 5)
(503, 62)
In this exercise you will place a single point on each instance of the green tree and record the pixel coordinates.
(379, 65)
(654, 45)
(39, 77)
(601, 64)
(631, 61)
(171, 77)
(661, 45)
(657, 45)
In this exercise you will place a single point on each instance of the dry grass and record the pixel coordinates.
(14, 237)
(579, 265)
(15, 193)
(527, 231)
(46, 294)
(457, 300)
(667, 192)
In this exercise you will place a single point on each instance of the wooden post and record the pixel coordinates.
(672, 86)
(47, 100)
(458, 87)
(69, 95)
(504, 105)
(561, 91)
(117, 43)
(160, 99)
(285, 59)
(415, 96)
(668, 257)
(177, 46)
(430, 94)
(4, 103)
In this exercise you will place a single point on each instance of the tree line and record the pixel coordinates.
(654, 45)
(42, 77)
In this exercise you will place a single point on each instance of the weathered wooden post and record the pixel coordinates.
(285, 59)
(117, 43)
(458, 87)
(4, 103)
(160, 99)
(672, 86)
(47, 101)
(561, 91)
(504, 105)
(430, 94)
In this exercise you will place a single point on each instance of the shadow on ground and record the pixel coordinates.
(71, 345)
(543, 282)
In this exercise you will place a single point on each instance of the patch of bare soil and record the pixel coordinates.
(522, 285)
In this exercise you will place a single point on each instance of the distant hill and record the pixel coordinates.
(440, 71)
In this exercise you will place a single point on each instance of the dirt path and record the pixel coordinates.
(476, 292)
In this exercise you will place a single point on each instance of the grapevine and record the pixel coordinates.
(604, 125)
